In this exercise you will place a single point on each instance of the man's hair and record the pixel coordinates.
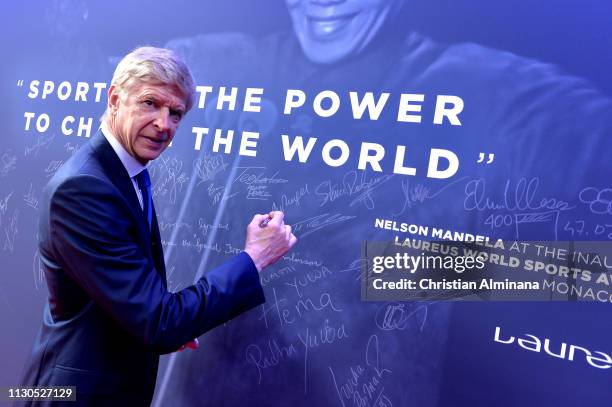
(151, 65)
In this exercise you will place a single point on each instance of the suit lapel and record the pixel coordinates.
(116, 172)
(118, 175)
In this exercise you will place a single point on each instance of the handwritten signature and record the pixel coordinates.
(206, 227)
(599, 200)
(208, 166)
(519, 197)
(40, 143)
(53, 167)
(219, 193)
(364, 385)
(71, 148)
(292, 200)
(170, 179)
(10, 231)
(397, 315)
(30, 198)
(352, 184)
(248, 177)
(8, 163)
(257, 182)
(311, 225)
(419, 193)
(4, 205)
(164, 226)
(273, 356)
(259, 192)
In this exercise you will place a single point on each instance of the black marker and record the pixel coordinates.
(264, 222)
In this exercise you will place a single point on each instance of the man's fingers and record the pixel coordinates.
(277, 218)
(292, 240)
(257, 219)
(287, 232)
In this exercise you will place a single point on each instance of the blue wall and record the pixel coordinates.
(535, 85)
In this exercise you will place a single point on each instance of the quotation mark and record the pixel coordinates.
(20, 82)
(481, 158)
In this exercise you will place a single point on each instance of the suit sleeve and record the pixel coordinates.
(98, 247)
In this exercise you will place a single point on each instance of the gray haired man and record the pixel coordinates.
(110, 315)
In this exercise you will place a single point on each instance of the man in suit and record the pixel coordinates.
(110, 314)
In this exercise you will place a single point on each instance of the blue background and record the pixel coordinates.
(556, 131)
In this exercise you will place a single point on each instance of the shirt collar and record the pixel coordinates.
(132, 166)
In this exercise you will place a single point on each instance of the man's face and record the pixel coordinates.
(145, 117)
(330, 30)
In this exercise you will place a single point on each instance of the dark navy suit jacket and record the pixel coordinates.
(109, 313)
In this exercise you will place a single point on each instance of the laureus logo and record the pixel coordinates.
(562, 350)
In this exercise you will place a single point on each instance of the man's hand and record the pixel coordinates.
(268, 242)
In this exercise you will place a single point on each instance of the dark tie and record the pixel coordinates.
(144, 183)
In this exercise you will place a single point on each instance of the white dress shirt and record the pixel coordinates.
(132, 166)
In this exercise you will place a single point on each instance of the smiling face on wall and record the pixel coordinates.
(330, 30)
